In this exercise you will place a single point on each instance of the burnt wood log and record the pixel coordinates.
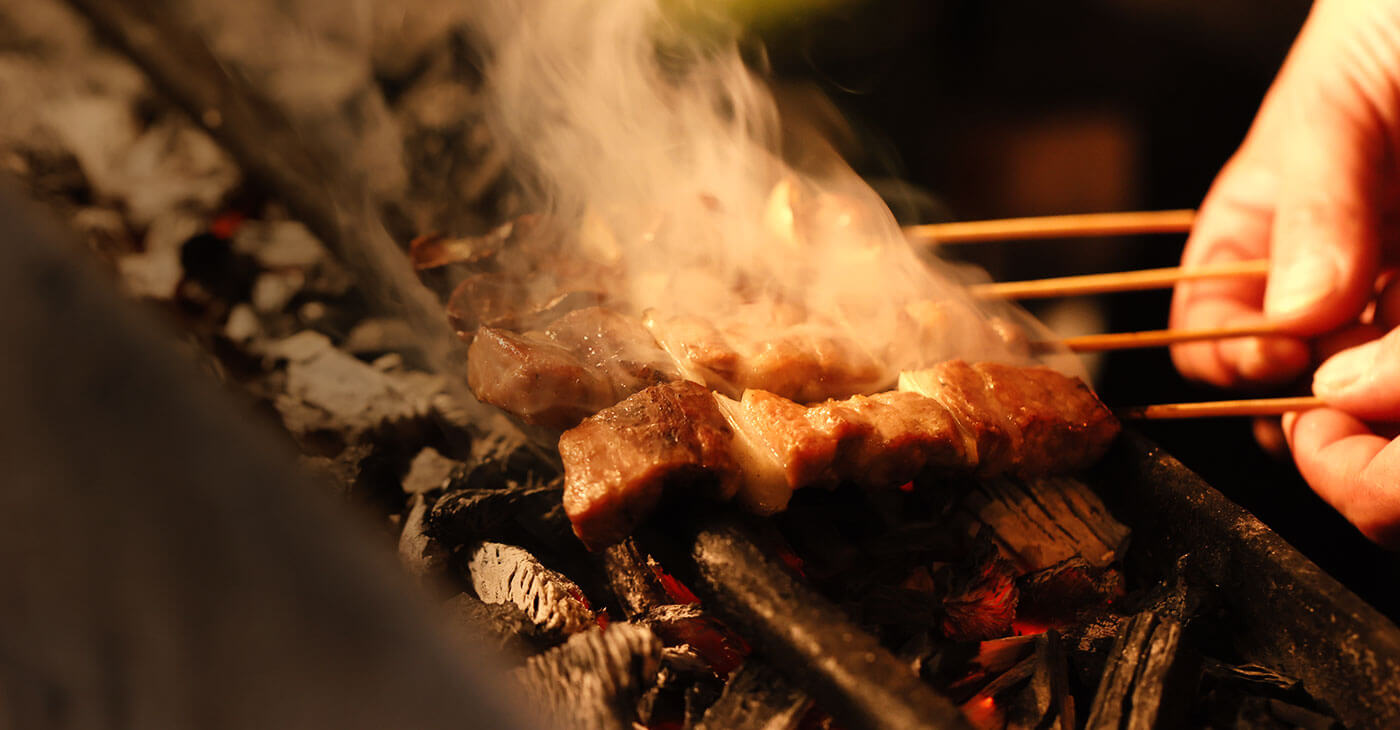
(1284, 612)
(1150, 679)
(595, 679)
(809, 640)
(1045, 521)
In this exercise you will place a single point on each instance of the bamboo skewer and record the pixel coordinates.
(1057, 226)
(1214, 409)
(1117, 281)
(1158, 338)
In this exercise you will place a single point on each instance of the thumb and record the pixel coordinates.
(1363, 381)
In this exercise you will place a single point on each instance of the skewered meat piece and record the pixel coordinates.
(616, 345)
(670, 435)
(985, 418)
(534, 378)
(803, 364)
(1025, 421)
(584, 361)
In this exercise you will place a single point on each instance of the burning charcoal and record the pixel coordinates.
(595, 679)
(508, 574)
(981, 603)
(421, 555)
(633, 582)
(1150, 678)
(985, 710)
(756, 698)
(1060, 595)
(429, 470)
(988, 660)
(1033, 693)
(690, 625)
(501, 625)
(1043, 522)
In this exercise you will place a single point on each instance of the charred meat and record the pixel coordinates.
(986, 419)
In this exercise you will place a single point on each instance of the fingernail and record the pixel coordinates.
(1345, 369)
(1299, 285)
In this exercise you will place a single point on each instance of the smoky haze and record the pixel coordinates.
(637, 127)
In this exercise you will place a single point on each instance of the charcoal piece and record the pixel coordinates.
(420, 554)
(756, 697)
(328, 389)
(467, 515)
(1150, 679)
(428, 471)
(981, 601)
(1038, 523)
(1260, 713)
(1051, 682)
(807, 638)
(900, 607)
(595, 679)
(1063, 593)
(1255, 676)
(508, 574)
(690, 625)
(634, 584)
(501, 625)
(978, 663)
(987, 708)
(670, 701)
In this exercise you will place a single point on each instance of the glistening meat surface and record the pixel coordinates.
(984, 419)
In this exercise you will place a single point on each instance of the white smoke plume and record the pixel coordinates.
(638, 125)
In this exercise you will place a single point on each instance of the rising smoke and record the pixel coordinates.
(637, 125)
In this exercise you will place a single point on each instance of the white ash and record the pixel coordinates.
(151, 275)
(508, 574)
(242, 325)
(328, 389)
(279, 244)
(420, 555)
(428, 471)
(273, 290)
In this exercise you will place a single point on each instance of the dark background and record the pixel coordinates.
(1003, 109)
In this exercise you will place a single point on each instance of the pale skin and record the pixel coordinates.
(1315, 188)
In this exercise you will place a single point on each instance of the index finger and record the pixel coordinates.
(1234, 224)
(1353, 469)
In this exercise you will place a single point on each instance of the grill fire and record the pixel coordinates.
(969, 548)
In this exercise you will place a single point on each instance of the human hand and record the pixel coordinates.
(1313, 189)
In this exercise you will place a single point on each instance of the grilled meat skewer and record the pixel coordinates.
(985, 419)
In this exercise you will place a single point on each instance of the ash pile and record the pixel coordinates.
(999, 603)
